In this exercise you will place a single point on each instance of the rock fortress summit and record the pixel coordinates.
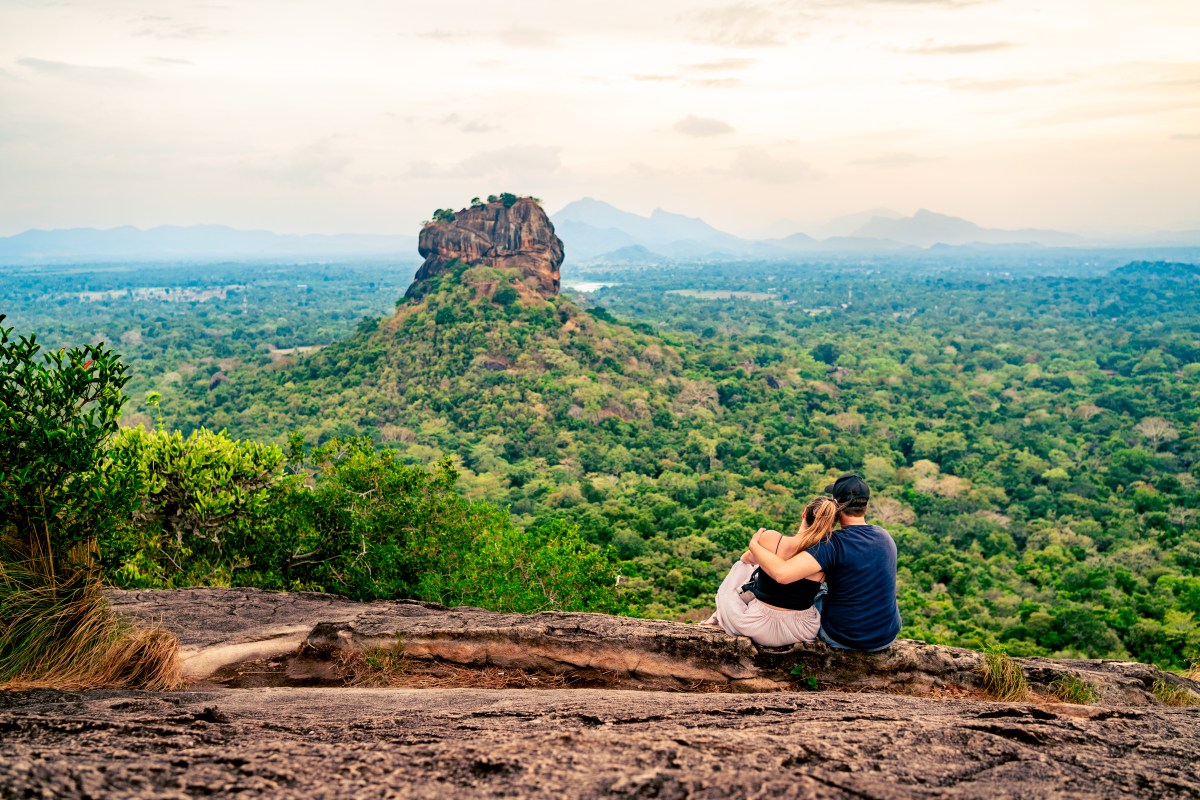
(507, 233)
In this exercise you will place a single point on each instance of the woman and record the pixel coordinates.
(750, 603)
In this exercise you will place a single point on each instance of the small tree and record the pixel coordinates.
(58, 488)
(505, 296)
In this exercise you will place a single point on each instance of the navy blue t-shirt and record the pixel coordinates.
(860, 610)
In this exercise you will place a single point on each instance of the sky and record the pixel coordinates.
(364, 116)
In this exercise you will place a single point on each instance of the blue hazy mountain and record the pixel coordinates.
(927, 228)
(593, 230)
(195, 243)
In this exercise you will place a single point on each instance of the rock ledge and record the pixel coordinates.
(221, 627)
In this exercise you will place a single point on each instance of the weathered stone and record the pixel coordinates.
(404, 743)
(219, 627)
(520, 237)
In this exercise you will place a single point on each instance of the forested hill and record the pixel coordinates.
(1158, 269)
(1033, 443)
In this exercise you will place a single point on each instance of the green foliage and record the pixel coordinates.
(1030, 426)
(505, 296)
(804, 679)
(363, 524)
(1070, 688)
(549, 566)
(443, 215)
(199, 499)
(58, 493)
(1002, 677)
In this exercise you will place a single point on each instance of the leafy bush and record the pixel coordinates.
(199, 500)
(505, 296)
(58, 490)
(217, 511)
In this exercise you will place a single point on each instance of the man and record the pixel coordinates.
(859, 562)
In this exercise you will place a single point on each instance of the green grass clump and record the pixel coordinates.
(1003, 678)
(1172, 695)
(1070, 688)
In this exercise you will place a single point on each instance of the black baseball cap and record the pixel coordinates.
(849, 490)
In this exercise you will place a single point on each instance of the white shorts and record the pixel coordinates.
(767, 626)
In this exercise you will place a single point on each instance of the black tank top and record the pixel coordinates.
(797, 595)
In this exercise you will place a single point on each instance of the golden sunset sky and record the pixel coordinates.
(305, 117)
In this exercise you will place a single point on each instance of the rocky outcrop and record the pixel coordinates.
(405, 743)
(518, 236)
(221, 627)
(289, 741)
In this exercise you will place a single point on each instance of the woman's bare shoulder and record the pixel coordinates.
(772, 540)
(788, 547)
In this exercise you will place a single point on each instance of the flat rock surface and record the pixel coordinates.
(396, 743)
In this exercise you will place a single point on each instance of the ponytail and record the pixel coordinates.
(819, 518)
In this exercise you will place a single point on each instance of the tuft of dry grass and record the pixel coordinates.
(1070, 688)
(1172, 695)
(1003, 678)
(63, 635)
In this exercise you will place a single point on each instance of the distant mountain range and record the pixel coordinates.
(195, 243)
(596, 231)
(592, 231)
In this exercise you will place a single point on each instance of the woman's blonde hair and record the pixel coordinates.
(819, 516)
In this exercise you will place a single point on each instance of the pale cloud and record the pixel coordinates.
(532, 38)
(757, 165)
(962, 49)
(515, 161)
(894, 160)
(442, 35)
(741, 25)
(701, 126)
(169, 28)
(82, 73)
(468, 125)
(990, 85)
(314, 165)
(1056, 107)
(723, 65)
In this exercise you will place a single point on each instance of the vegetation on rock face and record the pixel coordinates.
(59, 493)
(1072, 689)
(1003, 678)
(1172, 695)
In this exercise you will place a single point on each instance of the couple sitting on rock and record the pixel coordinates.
(836, 585)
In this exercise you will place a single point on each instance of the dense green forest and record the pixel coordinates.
(1031, 431)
